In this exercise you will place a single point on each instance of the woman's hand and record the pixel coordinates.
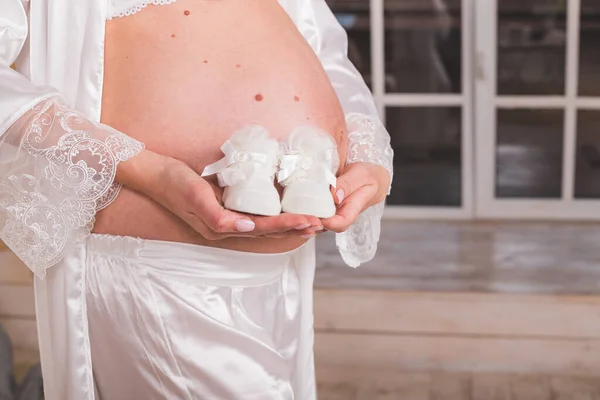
(181, 190)
(360, 186)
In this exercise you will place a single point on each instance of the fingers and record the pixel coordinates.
(215, 222)
(351, 180)
(197, 202)
(285, 222)
(222, 223)
(216, 218)
(357, 189)
(348, 211)
(305, 233)
(282, 226)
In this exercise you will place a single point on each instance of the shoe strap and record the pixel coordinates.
(233, 156)
(291, 166)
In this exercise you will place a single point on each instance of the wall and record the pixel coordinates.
(17, 311)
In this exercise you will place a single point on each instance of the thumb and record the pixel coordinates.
(347, 183)
(216, 217)
(231, 222)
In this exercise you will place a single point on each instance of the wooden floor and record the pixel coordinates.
(502, 311)
(523, 258)
(445, 386)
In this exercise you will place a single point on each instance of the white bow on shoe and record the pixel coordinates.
(247, 172)
(309, 161)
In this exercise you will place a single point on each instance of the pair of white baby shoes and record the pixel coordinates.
(305, 165)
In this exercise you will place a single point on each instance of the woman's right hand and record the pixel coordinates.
(177, 187)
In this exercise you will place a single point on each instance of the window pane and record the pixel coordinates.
(423, 46)
(531, 47)
(587, 161)
(589, 65)
(427, 145)
(529, 153)
(354, 16)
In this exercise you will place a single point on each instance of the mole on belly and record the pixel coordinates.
(296, 98)
(173, 35)
(258, 97)
(186, 12)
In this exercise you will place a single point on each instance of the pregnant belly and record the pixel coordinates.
(183, 77)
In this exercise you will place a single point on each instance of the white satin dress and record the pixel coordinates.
(126, 318)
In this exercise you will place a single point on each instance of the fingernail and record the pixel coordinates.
(316, 228)
(340, 195)
(303, 226)
(307, 236)
(244, 225)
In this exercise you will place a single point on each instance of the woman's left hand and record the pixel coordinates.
(360, 186)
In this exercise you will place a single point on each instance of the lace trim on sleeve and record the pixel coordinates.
(368, 141)
(358, 244)
(57, 171)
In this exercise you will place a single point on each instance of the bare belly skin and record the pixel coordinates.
(183, 77)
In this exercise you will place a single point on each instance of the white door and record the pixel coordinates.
(537, 110)
(416, 56)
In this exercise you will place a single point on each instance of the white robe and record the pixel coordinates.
(52, 181)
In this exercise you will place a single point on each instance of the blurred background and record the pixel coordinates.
(487, 281)
(492, 105)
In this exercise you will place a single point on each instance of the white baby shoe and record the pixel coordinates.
(309, 161)
(247, 172)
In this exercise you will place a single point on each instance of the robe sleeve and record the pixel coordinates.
(369, 141)
(57, 168)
